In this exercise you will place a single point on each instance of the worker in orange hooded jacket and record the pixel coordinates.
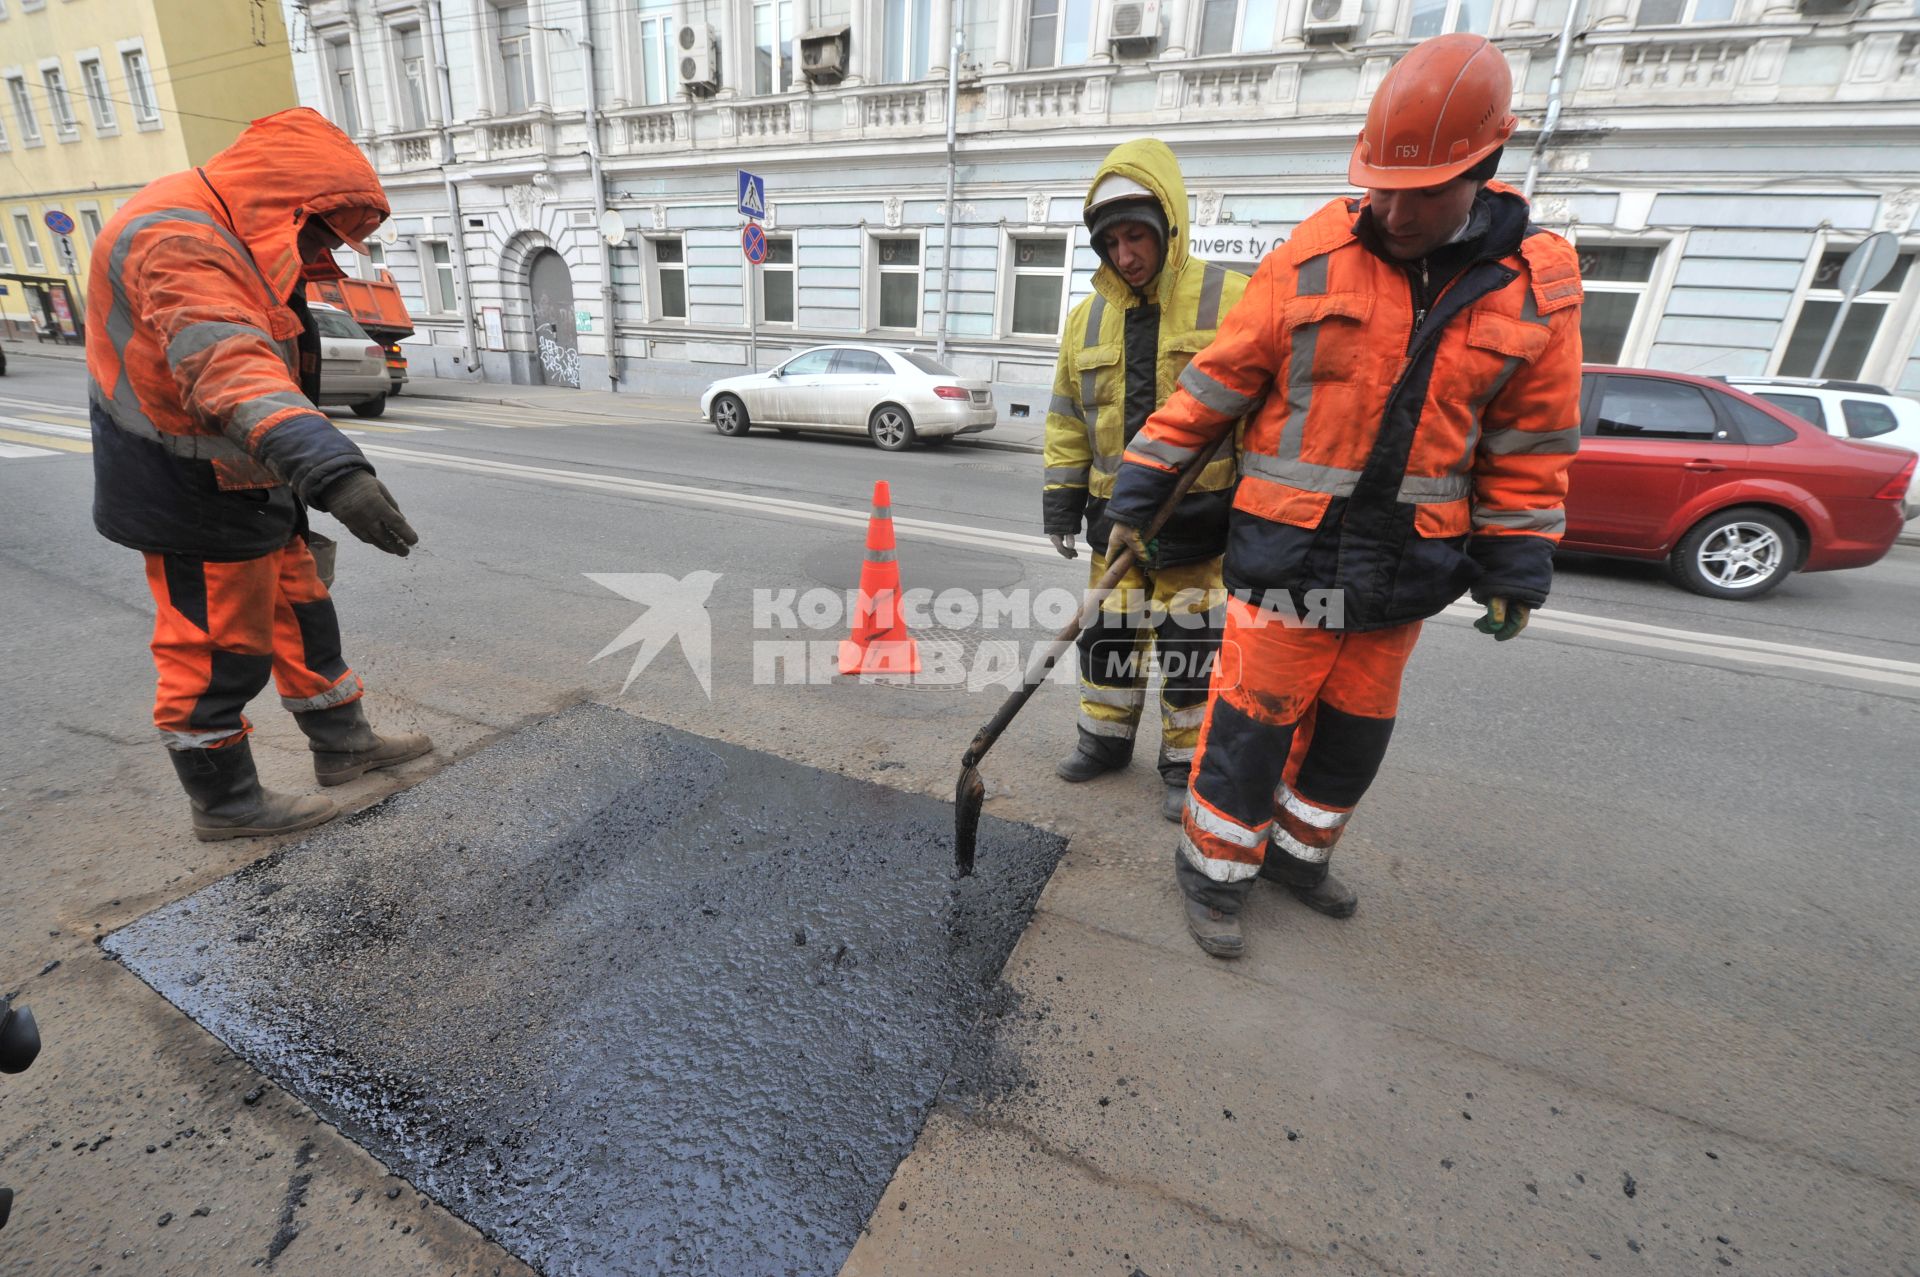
(203, 366)
(1412, 363)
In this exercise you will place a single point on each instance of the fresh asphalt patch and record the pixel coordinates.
(626, 999)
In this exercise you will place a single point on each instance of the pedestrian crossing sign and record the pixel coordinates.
(753, 194)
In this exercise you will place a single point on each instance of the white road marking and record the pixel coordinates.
(47, 428)
(11, 450)
(1658, 638)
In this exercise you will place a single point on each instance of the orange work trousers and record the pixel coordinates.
(221, 629)
(1297, 725)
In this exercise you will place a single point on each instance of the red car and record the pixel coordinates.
(1731, 491)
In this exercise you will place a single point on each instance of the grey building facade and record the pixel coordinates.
(1713, 160)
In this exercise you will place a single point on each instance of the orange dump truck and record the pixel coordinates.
(376, 306)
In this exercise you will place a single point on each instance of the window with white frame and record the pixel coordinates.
(667, 257)
(1059, 32)
(90, 223)
(1673, 13)
(146, 107)
(1860, 331)
(1616, 278)
(93, 81)
(23, 112)
(516, 57)
(375, 261)
(6, 143)
(659, 69)
(346, 101)
(59, 104)
(6, 252)
(897, 289)
(1238, 26)
(1037, 284)
(1442, 17)
(29, 242)
(410, 56)
(776, 281)
(437, 256)
(772, 46)
(907, 25)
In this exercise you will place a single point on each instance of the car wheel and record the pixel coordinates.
(890, 428)
(1736, 554)
(730, 416)
(371, 408)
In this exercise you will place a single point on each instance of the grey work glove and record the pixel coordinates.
(1063, 544)
(363, 503)
(1126, 537)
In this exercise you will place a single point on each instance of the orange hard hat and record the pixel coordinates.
(1440, 110)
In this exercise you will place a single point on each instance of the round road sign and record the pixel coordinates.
(753, 242)
(59, 223)
(1865, 266)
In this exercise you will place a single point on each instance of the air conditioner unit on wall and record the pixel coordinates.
(1136, 24)
(699, 55)
(1330, 19)
(823, 55)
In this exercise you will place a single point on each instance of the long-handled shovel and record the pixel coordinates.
(971, 792)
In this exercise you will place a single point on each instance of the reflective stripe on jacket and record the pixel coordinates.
(1399, 467)
(1092, 417)
(205, 438)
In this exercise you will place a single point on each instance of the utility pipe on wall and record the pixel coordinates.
(1554, 87)
(599, 198)
(946, 229)
(469, 352)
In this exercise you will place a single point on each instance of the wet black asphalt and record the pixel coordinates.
(627, 999)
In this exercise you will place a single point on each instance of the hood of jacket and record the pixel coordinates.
(284, 169)
(1150, 162)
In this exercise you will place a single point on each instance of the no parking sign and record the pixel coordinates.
(753, 242)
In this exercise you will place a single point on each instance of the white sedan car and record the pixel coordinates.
(893, 397)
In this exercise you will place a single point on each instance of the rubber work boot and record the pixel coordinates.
(1214, 931)
(1094, 756)
(345, 746)
(1174, 802)
(229, 803)
(1312, 885)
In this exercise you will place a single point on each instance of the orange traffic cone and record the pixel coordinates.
(880, 642)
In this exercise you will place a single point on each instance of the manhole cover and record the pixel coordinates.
(628, 1000)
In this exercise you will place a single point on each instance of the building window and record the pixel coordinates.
(896, 260)
(29, 242)
(375, 261)
(1440, 17)
(906, 23)
(93, 78)
(776, 281)
(346, 105)
(23, 110)
(59, 104)
(413, 76)
(659, 69)
(1616, 278)
(1673, 13)
(1039, 285)
(516, 57)
(90, 223)
(6, 253)
(1059, 32)
(441, 296)
(669, 278)
(772, 46)
(1857, 334)
(146, 108)
(1244, 26)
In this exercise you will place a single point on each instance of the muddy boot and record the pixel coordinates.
(345, 745)
(1173, 803)
(1313, 885)
(1094, 756)
(1212, 908)
(229, 803)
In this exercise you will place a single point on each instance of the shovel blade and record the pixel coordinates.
(968, 796)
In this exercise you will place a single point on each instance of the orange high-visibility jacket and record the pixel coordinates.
(205, 439)
(1399, 467)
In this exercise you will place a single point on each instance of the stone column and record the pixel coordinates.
(1006, 26)
(1293, 21)
(542, 73)
(1521, 16)
(1610, 13)
(1386, 20)
(940, 40)
(1175, 13)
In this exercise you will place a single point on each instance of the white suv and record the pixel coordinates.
(1847, 409)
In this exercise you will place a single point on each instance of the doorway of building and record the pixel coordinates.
(556, 344)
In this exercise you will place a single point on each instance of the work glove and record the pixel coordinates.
(1127, 537)
(363, 503)
(1504, 619)
(1063, 544)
